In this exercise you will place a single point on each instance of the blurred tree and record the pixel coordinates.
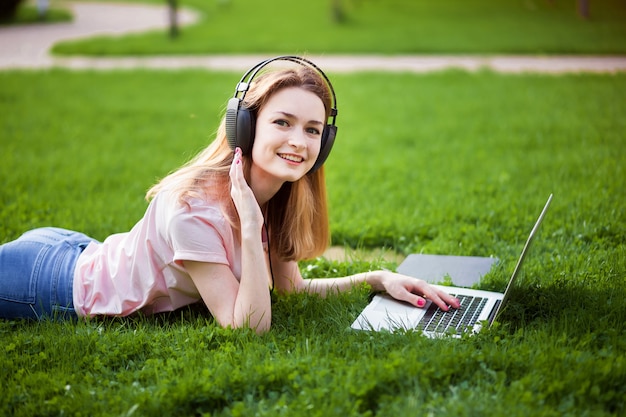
(337, 11)
(173, 14)
(583, 9)
(8, 8)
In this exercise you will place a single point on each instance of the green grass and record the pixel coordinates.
(454, 163)
(389, 27)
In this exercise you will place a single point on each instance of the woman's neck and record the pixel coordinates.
(263, 187)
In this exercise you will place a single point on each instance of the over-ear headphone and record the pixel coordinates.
(240, 122)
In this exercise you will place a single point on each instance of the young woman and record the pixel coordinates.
(225, 228)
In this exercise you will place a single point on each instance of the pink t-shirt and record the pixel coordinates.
(142, 270)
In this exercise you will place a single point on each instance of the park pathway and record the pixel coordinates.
(28, 47)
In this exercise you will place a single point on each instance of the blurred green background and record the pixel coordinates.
(385, 27)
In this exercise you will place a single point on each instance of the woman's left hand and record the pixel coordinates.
(414, 291)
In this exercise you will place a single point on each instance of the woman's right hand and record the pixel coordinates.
(245, 202)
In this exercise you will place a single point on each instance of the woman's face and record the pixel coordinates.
(288, 135)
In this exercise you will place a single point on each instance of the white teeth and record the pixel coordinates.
(293, 158)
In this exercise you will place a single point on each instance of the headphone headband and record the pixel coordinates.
(243, 86)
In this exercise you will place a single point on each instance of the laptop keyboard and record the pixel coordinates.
(437, 320)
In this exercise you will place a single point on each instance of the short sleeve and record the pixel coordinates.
(200, 233)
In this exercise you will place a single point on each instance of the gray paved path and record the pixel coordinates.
(28, 46)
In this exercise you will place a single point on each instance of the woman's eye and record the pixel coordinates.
(281, 122)
(313, 131)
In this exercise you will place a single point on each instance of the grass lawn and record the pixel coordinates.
(452, 163)
(386, 27)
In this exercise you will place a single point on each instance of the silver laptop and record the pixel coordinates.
(477, 306)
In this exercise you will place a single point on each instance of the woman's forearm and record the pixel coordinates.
(324, 286)
(411, 290)
(253, 303)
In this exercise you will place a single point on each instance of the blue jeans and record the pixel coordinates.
(37, 273)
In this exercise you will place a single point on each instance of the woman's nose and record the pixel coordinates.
(297, 139)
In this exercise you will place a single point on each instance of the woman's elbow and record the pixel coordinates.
(260, 326)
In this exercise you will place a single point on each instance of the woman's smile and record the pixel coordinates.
(291, 157)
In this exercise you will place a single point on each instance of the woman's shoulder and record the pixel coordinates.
(191, 208)
(189, 201)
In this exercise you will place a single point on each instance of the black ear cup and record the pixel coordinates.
(240, 126)
(328, 139)
(240, 123)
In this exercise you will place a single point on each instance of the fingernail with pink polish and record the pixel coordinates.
(421, 302)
